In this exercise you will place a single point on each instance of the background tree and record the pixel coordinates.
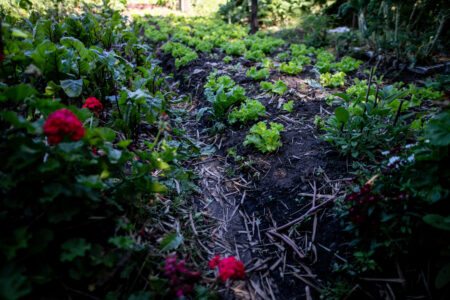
(254, 16)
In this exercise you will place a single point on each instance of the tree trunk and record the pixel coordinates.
(2, 55)
(184, 5)
(254, 16)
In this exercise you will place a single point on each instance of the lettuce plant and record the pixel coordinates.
(255, 55)
(267, 44)
(324, 61)
(279, 87)
(250, 110)
(255, 74)
(223, 93)
(347, 64)
(234, 48)
(288, 106)
(183, 54)
(263, 138)
(283, 56)
(291, 68)
(301, 50)
(332, 80)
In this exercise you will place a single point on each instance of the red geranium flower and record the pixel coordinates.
(63, 124)
(214, 262)
(93, 104)
(229, 267)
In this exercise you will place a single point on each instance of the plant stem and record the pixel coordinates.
(397, 115)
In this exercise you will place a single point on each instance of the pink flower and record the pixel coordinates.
(63, 124)
(93, 104)
(229, 267)
(181, 280)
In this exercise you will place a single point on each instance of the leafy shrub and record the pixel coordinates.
(77, 198)
(223, 93)
(361, 125)
(403, 206)
(250, 110)
(63, 184)
(332, 80)
(279, 87)
(255, 74)
(263, 138)
(315, 27)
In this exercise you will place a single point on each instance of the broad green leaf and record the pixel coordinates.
(122, 242)
(17, 93)
(443, 277)
(342, 115)
(156, 187)
(437, 221)
(438, 129)
(74, 248)
(72, 88)
(171, 241)
(13, 284)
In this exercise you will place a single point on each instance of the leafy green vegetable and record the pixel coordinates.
(235, 48)
(250, 110)
(332, 80)
(279, 87)
(255, 55)
(347, 64)
(183, 54)
(291, 68)
(258, 74)
(288, 106)
(223, 93)
(263, 138)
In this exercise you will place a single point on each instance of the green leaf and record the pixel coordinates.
(13, 284)
(72, 88)
(74, 248)
(171, 241)
(443, 277)
(438, 129)
(17, 93)
(156, 187)
(15, 32)
(437, 221)
(122, 242)
(342, 115)
(140, 296)
(19, 240)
